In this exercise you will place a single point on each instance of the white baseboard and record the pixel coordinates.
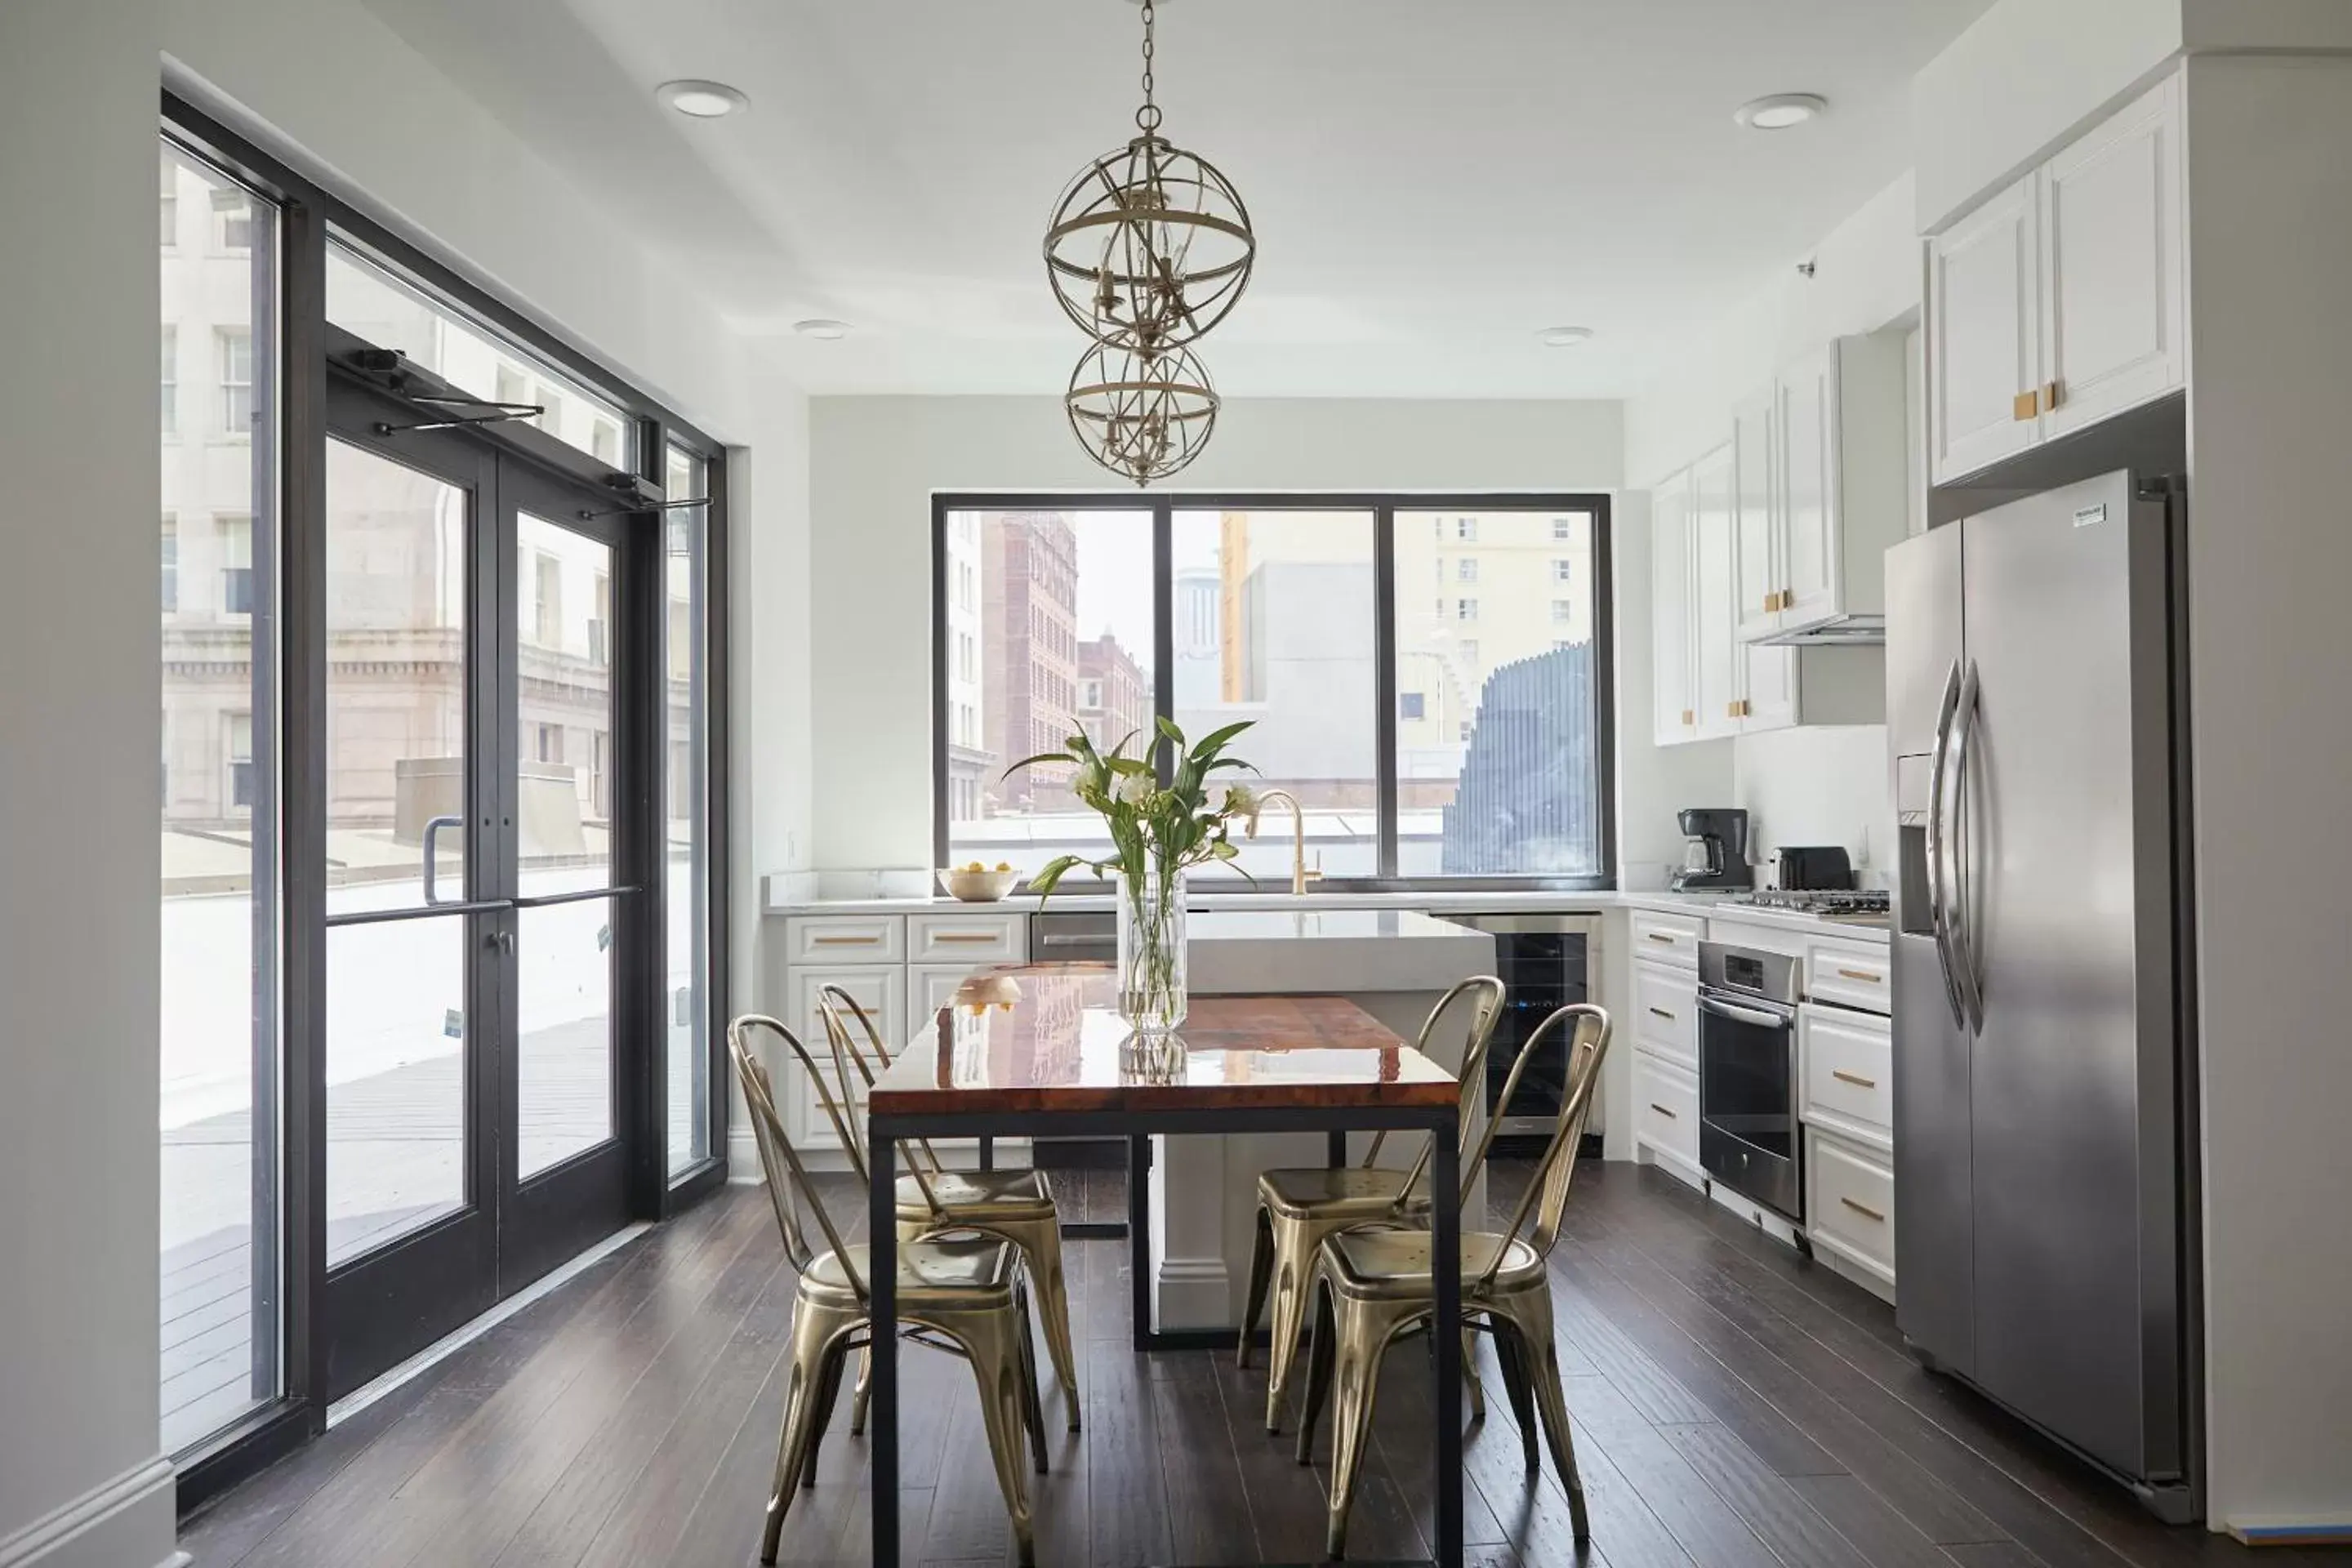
(129, 1520)
(1193, 1293)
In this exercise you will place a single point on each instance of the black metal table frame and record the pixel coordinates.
(884, 1129)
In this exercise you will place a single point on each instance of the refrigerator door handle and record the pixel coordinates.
(1969, 984)
(1938, 920)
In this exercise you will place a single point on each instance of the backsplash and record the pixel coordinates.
(1817, 784)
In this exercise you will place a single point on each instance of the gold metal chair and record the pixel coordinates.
(1298, 1207)
(964, 1296)
(1016, 1205)
(1374, 1285)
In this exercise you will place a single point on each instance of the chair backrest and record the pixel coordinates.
(1479, 1000)
(788, 1179)
(868, 1062)
(1583, 1030)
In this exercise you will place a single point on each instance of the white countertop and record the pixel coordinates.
(1714, 906)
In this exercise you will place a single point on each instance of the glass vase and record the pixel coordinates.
(1151, 957)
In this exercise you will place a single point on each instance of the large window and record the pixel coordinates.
(220, 1194)
(1428, 730)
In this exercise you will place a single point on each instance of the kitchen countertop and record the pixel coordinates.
(1714, 906)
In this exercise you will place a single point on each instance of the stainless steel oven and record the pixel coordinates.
(1747, 1135)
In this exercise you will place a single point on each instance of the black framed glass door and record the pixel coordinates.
(477, 1101)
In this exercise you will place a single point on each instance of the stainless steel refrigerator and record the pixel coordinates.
(2042, 1037)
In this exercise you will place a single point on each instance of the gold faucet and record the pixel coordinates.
(1299, 875)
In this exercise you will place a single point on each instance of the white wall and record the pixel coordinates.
(875, 461)
(1653, 782)
(1866, 275)
(1818, 785)
(2023, 78)
(79, 776)
(2268, 555)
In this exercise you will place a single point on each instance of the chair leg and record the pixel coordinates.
(814, 1336)
(1531, 1316)
(1033, 1410)
(821, 1414)
(1363, 1331)
(862, 1394)
(1261, 1273)
(1319, 1373)
(1295, 1244)
(1041, 1246)
(1476, 1390)
(987, 1339)
(1521, 1394)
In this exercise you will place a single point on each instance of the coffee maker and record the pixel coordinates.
(1715, 853)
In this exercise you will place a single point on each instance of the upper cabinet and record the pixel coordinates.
(1673, 717)
(1821, 491)
(2059, 301)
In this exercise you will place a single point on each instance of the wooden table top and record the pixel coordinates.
(1033, 1037)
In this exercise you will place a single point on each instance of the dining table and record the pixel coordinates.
(1042, 1050)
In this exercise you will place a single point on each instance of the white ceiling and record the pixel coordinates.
(1432, 181)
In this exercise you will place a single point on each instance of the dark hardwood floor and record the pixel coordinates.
(1734, 1405)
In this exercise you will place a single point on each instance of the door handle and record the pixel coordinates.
(433, 852)
(1855, 1079)
(501, 942)
(1662, 1013)
(1745, 1015)
(1965, 976)
(1663, 1112)
(1939, 921)
(1864, 1210)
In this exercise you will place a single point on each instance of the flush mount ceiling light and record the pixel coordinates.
(1143, 413)
(1780, 110)
(1150, 244)
(822, 328)
(1564, 337)
(701, 99)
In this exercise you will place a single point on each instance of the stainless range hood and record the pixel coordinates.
(1842, 631)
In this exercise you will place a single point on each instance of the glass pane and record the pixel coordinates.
(390, 312)
(564, 1065)
(397, 549)
(395, 1080)
(563, 672)
(1498, 767)
(686, 787)
(219, 1104)
(1036, 603)
(1274, 625)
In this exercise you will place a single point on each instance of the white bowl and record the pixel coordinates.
(977, 886)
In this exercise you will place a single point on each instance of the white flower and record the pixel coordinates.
(1239, 802)
(1135, 790)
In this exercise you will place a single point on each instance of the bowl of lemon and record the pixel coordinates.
(977, 884)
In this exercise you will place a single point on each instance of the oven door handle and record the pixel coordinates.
(1747, 1015)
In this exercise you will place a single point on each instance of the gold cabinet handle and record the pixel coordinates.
(2051, 392)
(1660, 936)
(1689, 718)
(1863, 1209)
(1862, 975)
(1663, 1112)
(2025, 404)
(845, 940)
(987, 936)
(1855, 1079)
(1662, 1013)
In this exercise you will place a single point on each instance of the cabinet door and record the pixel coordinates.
(881, 990)
(1768, 692)
(1811, 586)
(1984, 336)
(1756, 514)
(2111, 259)
(1675, 718)
(1714, 616)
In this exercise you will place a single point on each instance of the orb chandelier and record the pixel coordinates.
(1150, 244)
(1141, 413)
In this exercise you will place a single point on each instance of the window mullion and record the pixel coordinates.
(1163, 620)
(1384, 686)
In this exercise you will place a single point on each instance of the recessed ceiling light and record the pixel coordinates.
(702, 99)
(1564, 337)
(819, 327)
(1780, 110)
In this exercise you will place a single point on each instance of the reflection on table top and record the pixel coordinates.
(1037, 1037)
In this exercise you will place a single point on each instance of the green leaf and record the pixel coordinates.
(1050, 875)
(1221, 851)
(1168, 728)
(1040, 757)
(1214, 741)
(1129, 765)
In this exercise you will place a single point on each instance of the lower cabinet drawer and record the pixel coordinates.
(1666, 1109)
(1848, 1062)
(1665, 1012)
(1851, 1203)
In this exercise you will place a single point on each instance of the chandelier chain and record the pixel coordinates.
(1147, 117)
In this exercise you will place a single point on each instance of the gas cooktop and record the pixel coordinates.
(1865, 906)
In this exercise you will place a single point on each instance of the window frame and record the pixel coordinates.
(1385, 507)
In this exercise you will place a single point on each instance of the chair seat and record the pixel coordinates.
(1319, 1192)
(974, 1272)
(1394, 1264)
(979, 1195)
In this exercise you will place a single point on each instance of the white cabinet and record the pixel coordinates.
(1665, 1013)
(1755, 434)
(1668, 938)
(2111, 239)
(1850, 1209)
(1715, 683)
(1846, 1074)
(1673, 719)
(2060, 301)
(1665, 1116)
